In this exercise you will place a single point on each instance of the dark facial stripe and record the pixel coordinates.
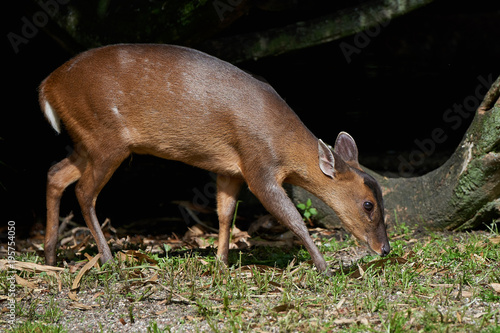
(373, 185)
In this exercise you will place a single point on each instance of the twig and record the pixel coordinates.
(64, 222)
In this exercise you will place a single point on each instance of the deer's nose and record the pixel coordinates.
(386, 248)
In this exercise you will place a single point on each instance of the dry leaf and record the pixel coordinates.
(203, 262)
(68, 239)
(496, 287)
(201, 242)
(162, 311)
(141, 257)
(126, 257)
(76, 282)
(283, 308)
(381, 263)
(256, 267)
(82, 244)
(442, 285)
(197, 230)
(478, 258)
(465, 293)
(480, 314)
(27, 266)
(154, 278)
(495, 240)
(25, 283)
(81, 306)
(344, 321)
(361, 271)
(98, 294)
(89, 257)
(340, 303)
(409, 254)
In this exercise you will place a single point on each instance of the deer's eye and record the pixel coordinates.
(368, 206)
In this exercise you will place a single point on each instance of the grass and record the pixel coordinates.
(436, 282)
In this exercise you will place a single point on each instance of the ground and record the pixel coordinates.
(431, 281)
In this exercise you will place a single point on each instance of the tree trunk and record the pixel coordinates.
(82, 25)
(463, 193)
(300, 35)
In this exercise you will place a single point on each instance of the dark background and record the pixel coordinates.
(395, 91)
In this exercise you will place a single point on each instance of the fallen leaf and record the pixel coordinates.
(89, 257)
(27, 266)
(98, 294)
(76, 267)
(126, 258)
(361, 271)
(480, 314)
(409, 254)
(76, 282)
(495, 240)
(478, 258)
(364, 321)
(25, 283)
(260, 268)
(442, 285)
(141, 257)
(380, 263)
(82, 244)
(283, 307)
(68, 239)
(314, 305)
(154, 278)
(201, 242)
(81, 306)
(466, 294)
(161, 312)
(344, 321)
(496, 287)
(203, 262)
(340, 303)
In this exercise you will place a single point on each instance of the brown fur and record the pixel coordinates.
(181, 104)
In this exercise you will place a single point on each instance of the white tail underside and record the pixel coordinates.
(52, 117)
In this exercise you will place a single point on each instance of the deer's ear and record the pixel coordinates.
(328, 162)
(346, 148)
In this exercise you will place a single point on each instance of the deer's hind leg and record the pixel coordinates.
(227, 197)
(59, 177)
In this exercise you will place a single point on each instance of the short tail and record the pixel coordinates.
(52, 117)
(50, 113)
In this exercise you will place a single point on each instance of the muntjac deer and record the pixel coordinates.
(181, 104)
